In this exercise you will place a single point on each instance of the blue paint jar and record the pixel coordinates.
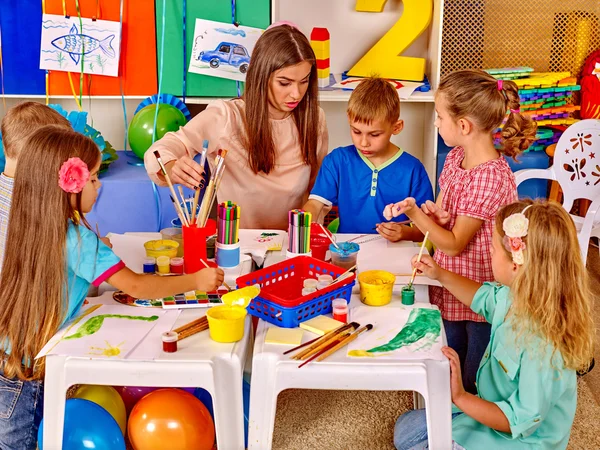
(149, 264)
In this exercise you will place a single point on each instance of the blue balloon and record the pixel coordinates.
(87, 425)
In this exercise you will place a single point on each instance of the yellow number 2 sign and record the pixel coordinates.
(383, 58)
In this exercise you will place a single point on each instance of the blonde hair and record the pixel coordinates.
(551, 295)
(476, 95)
(277, 48)
(33, 282)
(374, 99)
(22, 119)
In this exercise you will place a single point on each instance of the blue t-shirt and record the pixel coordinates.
(348, 180)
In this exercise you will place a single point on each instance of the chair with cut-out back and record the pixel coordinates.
(576, 168)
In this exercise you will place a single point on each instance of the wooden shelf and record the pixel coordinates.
(70, 97)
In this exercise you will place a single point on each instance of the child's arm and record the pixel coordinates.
(316, 208)
(154, 286)
(487, 413)
(451, 242)
(462, 288)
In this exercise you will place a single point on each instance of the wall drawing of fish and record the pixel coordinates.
(77, 44)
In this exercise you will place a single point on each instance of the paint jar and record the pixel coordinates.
(164, 264)
(325, 279)
(310, 283)
(308, 290)
(226, 323)
(376, 287)
(194, 248)
(408, 295)
(289, 255)
(177, 266)
(149, 264)
(339, 309)
(345, 256)
(174, 234)
(228, 255)
(319, 241)
(161, 247)
(169, 340)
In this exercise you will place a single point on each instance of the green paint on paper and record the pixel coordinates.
(422, 324)
(95, 323)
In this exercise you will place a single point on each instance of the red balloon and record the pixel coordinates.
(132, 394)
(170, 418)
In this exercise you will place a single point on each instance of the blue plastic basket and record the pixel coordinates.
(281, 301)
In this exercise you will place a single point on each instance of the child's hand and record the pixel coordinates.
(440, 216)
(456, 385)
(427, 266)
(392, 231)
(397, 209)
(106, 242)
(208, 280)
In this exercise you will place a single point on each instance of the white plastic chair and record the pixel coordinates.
(576, 168)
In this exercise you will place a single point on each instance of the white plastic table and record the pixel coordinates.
(198, 362)
(272, 372)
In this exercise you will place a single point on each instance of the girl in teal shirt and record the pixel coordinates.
(542, 332)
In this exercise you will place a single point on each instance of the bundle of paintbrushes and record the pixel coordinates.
(326, 345)
(228, 223)
(191, 328)
(299, 231)
(183, 216)
(211, 190)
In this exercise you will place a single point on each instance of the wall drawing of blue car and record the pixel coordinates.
(227, 53)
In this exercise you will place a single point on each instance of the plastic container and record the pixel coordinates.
(226, 323)
(310, 283)
(345, 256)
(308, 290)
(290, 255)
(149, 264)
(177, 266)
(169, 340)
(376, 287)
(161, 247)
(319, 242)
(408, 295)
(228, 255)
(163, 263)
(194, 249)
(281, 301)
(339, 310)
(174, 234)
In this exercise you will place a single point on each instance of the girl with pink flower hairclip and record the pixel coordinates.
(542, 333)
(51, 260)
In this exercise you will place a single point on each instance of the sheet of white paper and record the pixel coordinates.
(151, 346)
(65, 43)
(404, 88)
(110, 331)
(130, 248)
(258, 242)
(387, 323)
(222, 49)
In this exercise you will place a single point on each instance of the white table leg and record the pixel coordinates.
(439, 405)
(55, 391)
(263, 402)
(228, 404)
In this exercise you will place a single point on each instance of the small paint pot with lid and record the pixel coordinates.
(169, 340)
(408, 295)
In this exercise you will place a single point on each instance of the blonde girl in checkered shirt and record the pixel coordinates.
(475, 183)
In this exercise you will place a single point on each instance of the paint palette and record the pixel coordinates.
(126, 299)
(193, 299)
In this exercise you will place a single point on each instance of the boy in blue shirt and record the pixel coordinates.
(363, 178)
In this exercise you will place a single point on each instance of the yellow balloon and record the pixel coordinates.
(108, 398)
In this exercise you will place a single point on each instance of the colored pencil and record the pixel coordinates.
(414, 272)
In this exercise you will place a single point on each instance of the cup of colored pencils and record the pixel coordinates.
(299, 233)
(228, 231)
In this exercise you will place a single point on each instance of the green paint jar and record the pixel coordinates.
(408, 295)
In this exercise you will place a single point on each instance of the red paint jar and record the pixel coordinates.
(339, 308)
(169, 340)
(177, 266)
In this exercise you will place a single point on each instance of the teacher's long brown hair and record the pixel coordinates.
(277, 48)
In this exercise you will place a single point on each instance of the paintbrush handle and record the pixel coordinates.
(414, 272)
(182, 328)
(318, 354)
(195, 204)
(201, 219)
(191, 331)
(208, 267)
(312, 341)
(320, 340)
(340, 344)
(310, 352)
(185, 209)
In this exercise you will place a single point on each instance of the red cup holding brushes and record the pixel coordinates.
(194, 245)
(319, 241)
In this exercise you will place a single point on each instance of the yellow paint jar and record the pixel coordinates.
(226, 323)
(376, 287)
(164, 264)
(161, 247)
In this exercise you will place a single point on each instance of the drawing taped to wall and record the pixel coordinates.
(222, 50)
(68, 44)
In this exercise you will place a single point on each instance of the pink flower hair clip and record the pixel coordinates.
(515, 229)
(73, 175)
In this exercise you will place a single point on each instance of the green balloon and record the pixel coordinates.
(141, 127)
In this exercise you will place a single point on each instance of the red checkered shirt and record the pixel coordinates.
(479, 193)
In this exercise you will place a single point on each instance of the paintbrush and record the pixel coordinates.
(171, 188)
(343, 343)
(202, 162)
(193, 323)
(185, 205)
(325, 344)
(329, 237)
(191, 331)
(180, 215)
(329, 347)
(220, 171)
(208, 267)
(312, 341)
(325, 338)
(414, 272)
(343, 276)
(404, 222)
(207, 199)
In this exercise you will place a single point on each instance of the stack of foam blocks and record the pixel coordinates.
(319, 41)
